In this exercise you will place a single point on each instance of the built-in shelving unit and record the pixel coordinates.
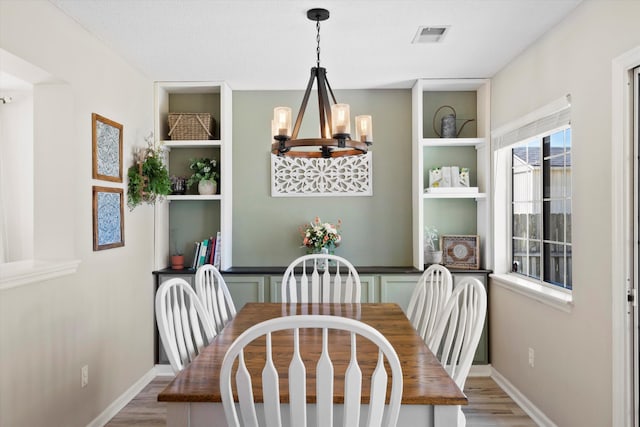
(454, 212)
(185, 218)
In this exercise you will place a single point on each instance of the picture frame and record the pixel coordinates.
(460, 251)
(108, 218)
(107, 148)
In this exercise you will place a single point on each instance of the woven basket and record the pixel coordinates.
(190, 126)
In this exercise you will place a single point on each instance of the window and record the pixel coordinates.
(532, 204)
(541, 208)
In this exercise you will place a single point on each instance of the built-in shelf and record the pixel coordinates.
(454, 196)
(192, 144)
(193, 197)
(471, 150)
(192, 217)
(453, 142)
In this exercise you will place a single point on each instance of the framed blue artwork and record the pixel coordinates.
(107, 149)
(108, 218)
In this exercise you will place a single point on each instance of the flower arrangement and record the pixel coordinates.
(430, 238)
(203, 169)
(148, 178)
(317, 235)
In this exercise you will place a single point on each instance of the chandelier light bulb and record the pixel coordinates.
(340, 119)
(282, 119)
(364, 129)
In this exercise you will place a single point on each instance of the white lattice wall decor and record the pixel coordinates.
(337, 176)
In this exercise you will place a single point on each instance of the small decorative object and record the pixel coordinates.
(450, 179)
(448, 123)
(446, 176)
(107, 148)
(190, 126)
(463, 178)
(435, 177)
(148, 177)
(178, 185)
(204, 175)
(320, 237)
(108, 218)
(461, 251)
(431, 254)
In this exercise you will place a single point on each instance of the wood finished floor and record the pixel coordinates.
(488, 406)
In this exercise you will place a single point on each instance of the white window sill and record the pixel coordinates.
(546, 295)
(20, 273)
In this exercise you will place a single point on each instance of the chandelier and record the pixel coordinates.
(335, 127)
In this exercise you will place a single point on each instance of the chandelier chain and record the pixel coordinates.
(318, 43)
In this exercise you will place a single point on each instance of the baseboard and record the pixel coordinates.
(163, 371)
(117, 405)
(527, 406)
(480, 371)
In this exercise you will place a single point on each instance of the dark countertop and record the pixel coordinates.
(278, 271)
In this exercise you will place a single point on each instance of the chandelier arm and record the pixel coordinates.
(303, 105)
(330, 90)
(324, 107)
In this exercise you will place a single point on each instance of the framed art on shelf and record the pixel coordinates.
(107, 148)
(108, 218)
(461, 251)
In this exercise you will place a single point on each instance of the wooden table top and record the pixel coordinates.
(425, 380)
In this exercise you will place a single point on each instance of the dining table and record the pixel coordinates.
(430, 397)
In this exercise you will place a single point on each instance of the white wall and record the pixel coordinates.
(571, 381)
(102, 316)
(16, 173)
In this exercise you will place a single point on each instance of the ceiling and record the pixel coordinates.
(269, 44)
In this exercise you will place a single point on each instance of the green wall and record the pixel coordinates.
(376, 230)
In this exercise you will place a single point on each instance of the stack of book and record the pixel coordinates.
(207, 252)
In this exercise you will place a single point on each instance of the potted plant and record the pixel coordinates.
(431, 254)
(204, 175)
(148, 178)
(177, 257)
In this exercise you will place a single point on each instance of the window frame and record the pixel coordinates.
(544, 120)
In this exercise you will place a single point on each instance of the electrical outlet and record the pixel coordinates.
(84, 376)
(531, 357)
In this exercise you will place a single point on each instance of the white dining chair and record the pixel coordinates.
(183, 323)
(428, 299)
(321, 278)
(378, 413)
(214, 295)
(458, 331)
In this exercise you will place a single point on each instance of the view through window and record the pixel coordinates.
(541, 208)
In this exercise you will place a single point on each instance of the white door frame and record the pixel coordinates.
(632, 324)
(622, 263)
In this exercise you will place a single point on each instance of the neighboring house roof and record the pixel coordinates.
(534, 156)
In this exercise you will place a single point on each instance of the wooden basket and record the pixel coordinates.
(190, 126)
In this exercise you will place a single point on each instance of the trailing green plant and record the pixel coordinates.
(148, 177)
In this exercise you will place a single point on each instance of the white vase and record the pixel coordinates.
(432, 257)
(207, 187)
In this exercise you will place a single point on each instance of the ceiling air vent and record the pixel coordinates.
(430, 34)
